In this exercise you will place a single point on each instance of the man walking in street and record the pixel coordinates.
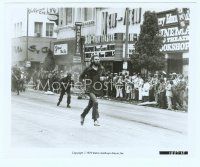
(93, 76)
(16, 79)
(65, 84)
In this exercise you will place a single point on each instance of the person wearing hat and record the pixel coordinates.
(93, 77)
(65, 84)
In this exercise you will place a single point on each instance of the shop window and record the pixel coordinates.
(109, 54)
(111, 47)
(68, 12)
(38, 29)
(101, 54)
(49, 29)
(101, 47)
(89, 49)
(88, 55)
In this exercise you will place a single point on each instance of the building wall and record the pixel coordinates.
(110, 21)
(117, 25)
(37, 49)
(21, 17)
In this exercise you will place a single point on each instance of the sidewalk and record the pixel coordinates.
(144, 104)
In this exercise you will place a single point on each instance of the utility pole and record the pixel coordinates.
(125, 65)
(27, 27)
(27, 34)
(28, 63)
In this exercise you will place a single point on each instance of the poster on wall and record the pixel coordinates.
(60, 49)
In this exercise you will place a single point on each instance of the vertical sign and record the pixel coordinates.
(112, 20)
(78, 37)
(104, 22)
(137, 14)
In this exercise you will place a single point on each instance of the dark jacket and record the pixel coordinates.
(92, 80)
(66, 83)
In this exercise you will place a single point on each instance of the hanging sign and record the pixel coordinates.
(78, 37)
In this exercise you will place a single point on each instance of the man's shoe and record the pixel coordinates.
(68, 106)
(58, 103)
(82, 120)
(96, 123)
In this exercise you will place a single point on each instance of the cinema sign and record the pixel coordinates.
(175, 37)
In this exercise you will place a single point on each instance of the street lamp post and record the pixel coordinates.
(27, 30)
(126, 40)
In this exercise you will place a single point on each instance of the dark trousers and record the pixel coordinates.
(151, 95)
(16, 85)
(62, 93)
(176, 100)
(162, 100)
(136, 94)
(92, 104)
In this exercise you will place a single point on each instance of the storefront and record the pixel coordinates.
(106, 38)
(174, 27)
(33, 55)
(111, 50)
(64, 51)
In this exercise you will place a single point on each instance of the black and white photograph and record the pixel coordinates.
(92, 80)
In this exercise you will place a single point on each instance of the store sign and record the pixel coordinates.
(112, 20)
(134, 16)
(78, 37)
(104, 22)
(131, 50)
(91, 39)
(172, 17)
(61, 49)
(34, 48)
(52, 11)
(131, 37)
(76, 59)
(43, 11)
(17, 49)
(175, 37)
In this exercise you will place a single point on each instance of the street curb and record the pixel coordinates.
(112, 100)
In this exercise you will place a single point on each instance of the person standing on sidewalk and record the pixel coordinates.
(93, 76)
(169, 94)
(65, 84)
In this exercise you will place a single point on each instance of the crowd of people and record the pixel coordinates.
(168, 91)
(19, 78)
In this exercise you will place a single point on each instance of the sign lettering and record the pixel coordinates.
(33, 48)
(17, 49)
(175, 38)
(78, 37)
(43, 11)
(112, 20)
(134, 16)
(171, 17)
(60, 49)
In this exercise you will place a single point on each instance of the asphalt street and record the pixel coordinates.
(38, 123)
